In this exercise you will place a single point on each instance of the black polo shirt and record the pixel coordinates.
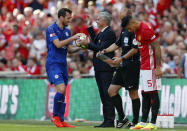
(127, 41)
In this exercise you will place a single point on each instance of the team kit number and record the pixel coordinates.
(149, 83)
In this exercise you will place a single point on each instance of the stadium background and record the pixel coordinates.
(25, 94)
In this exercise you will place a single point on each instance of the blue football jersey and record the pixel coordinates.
(54, 54)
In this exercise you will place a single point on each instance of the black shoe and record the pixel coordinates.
(99, 126)
(124, 122)
(130, 125)
(105, 125)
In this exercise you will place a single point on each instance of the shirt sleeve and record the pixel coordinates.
(118, 42)
(149, 34)
(134, 42)
(51, 34)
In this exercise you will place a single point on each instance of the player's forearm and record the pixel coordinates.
(62, 43)
(111, 48)
(156, 47)
(65, 42)
(130, 53)
(73, 49)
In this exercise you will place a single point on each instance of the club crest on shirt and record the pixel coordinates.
(67, 34)
(56, 76)
(135, 42)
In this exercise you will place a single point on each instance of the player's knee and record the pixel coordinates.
(61, 89)
(111, 92)
(155, 105)
(133, 94)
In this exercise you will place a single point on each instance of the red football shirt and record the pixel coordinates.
(146, 35)
(35, 70)
(22, 50)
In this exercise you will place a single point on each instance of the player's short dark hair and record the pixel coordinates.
(125, 20)
(62, 12)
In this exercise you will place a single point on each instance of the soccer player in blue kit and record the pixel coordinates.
(59, 41)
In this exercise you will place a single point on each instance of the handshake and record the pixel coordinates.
(81, 40)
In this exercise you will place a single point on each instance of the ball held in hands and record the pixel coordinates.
(80, 38)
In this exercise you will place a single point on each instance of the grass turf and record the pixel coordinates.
(11, 125)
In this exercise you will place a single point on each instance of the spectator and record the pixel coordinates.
(37, 4)
(176, 62)
(3, 66)
(168, 34)
(32, 68)
(80, 27)
(3, 42)
(39, 45)
(24, 44)
(18, 66)
(76, 74)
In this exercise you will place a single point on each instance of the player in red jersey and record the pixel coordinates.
(150, 68)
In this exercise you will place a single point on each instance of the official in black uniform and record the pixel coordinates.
(103, 72)
(127, 75)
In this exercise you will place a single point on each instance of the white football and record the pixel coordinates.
(82, 37)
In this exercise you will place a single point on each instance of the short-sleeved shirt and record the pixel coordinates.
(54, 54)
(145, 35)
(127, 41)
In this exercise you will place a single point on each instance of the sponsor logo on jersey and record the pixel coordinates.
(126, 40)
(138, 43)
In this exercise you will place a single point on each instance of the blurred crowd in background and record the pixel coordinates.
(23, 24)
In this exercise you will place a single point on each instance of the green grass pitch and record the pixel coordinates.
(10, 125)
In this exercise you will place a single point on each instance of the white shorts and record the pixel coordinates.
(148, 81)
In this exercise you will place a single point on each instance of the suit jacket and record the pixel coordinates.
(99, 42)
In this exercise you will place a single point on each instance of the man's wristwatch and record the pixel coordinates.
(104, 51)
(122, 57)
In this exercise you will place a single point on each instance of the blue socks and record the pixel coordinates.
(59, 106)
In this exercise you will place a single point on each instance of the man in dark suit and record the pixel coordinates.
(103, 72)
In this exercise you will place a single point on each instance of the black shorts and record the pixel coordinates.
(127, 76)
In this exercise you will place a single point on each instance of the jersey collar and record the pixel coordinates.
(59, 27)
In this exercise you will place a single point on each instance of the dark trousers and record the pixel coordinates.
(103, 80)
